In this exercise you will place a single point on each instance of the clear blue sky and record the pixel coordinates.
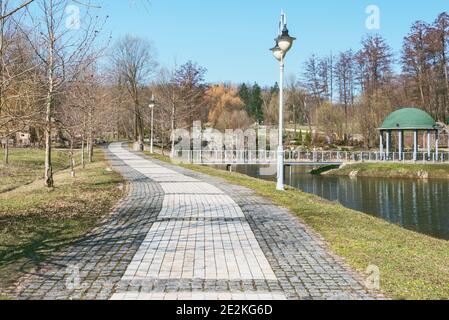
(231, 38)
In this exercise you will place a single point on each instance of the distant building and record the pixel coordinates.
(23, 139)
(19, 139)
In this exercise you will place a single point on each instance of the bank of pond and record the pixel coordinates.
(412, 196)
(388, 170)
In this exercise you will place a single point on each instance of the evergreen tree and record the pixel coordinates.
(256, 104)
(245, 95)
(275, 88)
(300, 138)
(308, 139)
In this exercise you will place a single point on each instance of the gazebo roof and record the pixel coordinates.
(409, 119)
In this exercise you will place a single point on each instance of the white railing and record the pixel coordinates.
(315, 157)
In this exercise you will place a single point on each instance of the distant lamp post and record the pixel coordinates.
(152, 105)
(284, 43)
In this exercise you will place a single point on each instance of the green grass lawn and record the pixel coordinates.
(394, 170)
(27, 165)
(35, 222)
(412, 265)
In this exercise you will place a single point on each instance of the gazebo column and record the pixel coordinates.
(388, 144)
(429, 145)
(415, 145)
(381, 144)
(401, 144)
(437, 144)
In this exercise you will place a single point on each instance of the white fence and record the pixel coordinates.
(301, 157)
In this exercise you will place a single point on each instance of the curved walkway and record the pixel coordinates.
(184, 235)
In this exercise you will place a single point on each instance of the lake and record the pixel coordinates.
(417, 205)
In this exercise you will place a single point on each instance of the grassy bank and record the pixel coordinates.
(412, 265)
(394, 170)
(35, 222)
(26, 165)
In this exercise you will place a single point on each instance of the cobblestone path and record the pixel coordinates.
(184, 235)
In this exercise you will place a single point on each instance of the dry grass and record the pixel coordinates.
(35, 222)
(26, 165)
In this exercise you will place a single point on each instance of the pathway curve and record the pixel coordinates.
(184, 235)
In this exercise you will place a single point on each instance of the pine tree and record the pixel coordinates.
(300, 139)
(245, 95)
(256, 103)
(308, 139)
(274, 89)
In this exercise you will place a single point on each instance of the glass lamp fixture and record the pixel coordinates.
(285, 41)
(152, 102)
(278, 53)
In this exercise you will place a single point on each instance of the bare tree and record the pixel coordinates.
(312, 79)
(344, 74)
(375, 59)
(64, 51)
(17, 74)
(414, 60)
(441, 48)
(2, 77)
(294, 101)
(134, 61)
(190, 87)
(5, 14)
(167, 95)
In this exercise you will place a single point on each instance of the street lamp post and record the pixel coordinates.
(152, 105)
(283, 44)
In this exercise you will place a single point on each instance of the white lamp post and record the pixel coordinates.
(283, 44)
(151, 105)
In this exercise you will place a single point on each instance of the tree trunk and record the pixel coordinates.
(136, 133)
(83, 162)
(49, 183)
(421, 89)
(90, 151)
(446, 76)
(172, 135)
(6, 151)
(72, 160)
(163, 144)
(138, 137)
(295, 118)
(141, 133)
(2, 77)
(117, 123)
(90, 141)
(138, 122)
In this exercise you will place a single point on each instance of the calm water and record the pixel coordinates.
(421, 206)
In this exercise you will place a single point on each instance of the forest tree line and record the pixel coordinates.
(65, 87)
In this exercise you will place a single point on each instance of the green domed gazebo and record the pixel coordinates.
(408, 119)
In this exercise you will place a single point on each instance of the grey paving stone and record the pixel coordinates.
(180, 234)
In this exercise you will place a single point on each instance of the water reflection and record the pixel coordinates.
(414, 204)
